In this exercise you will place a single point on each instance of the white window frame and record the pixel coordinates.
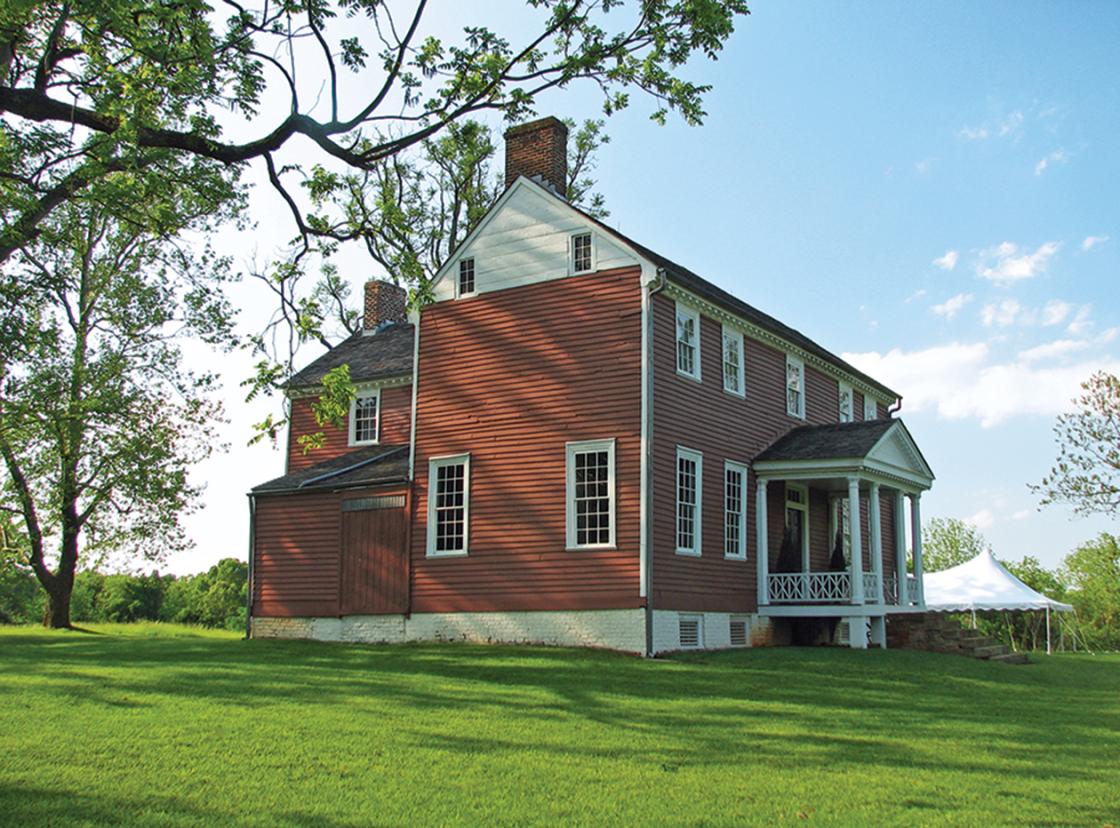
(791, 362)
(697, 528)
(687, 312)
(735, 339)
(571, 450)
(435, 463)
(869, 403)
(741, 469)
(352, 422)
(459, 277)
(572, 253)
(844, 388)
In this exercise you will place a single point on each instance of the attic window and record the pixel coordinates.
(870, 408)
(466, 277)
(847, 403)
(364, 419)
(795, 387)
(581, 253)
(688, 330)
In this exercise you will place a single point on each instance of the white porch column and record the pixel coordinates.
(876, 540)
(856, 569)
(879, 631)
(916, 533)
(763, 546)
(900, 547)
(857, 632)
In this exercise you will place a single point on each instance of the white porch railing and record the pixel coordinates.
(870, 587)
(890, 591)
(810, 587)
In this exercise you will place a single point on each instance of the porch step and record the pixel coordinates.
(938, 633)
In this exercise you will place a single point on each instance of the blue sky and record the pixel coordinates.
(930, 189)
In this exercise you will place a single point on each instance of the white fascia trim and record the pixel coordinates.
(768, 338)
(924, 471)
(414, 318)
(433, 464)
(697, 528)
(570, 451)
(870, 471)
(362, 391)
(731, 465)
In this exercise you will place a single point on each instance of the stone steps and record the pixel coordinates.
(938, 633)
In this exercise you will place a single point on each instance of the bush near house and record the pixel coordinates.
(160, 725)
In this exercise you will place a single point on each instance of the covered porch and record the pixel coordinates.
(841, 496)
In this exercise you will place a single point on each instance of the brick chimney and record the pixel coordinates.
(385, 302)
(539, 150)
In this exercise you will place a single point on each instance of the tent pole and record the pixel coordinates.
(1048, 650)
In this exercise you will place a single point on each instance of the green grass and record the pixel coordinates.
(156, 725)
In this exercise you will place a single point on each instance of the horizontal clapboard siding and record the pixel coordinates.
(396, 426)
(511, 376)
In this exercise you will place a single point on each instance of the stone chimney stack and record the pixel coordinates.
(385, 302)
(539, 150)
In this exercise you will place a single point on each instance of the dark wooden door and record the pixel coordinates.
(374, 561)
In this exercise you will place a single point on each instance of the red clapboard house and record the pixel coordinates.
(581, 442)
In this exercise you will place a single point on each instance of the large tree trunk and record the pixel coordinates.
(57, 614)
(59, 586)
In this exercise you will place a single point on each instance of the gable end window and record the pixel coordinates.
(733, 362)
(795, 387)
(590, 484)
(847, 403)
(688, 342)
(466, 276)
(734, 511)
(583, 253)
(365, 418)
(690, 477)
(870, 408)
(449, 495)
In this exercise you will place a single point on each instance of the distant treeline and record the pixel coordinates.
(215, 598)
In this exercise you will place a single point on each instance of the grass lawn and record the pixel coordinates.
(154, 725)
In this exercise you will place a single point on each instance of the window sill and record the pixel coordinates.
(462, 554)
(603, 547)
(740, 558)
(357, 443)
(689, 553)
(693, 377)
(742, 395)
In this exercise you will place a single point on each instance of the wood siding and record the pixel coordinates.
(396, 427)
(703, 417)
(511, 377)
(297, 546)
(374, 567)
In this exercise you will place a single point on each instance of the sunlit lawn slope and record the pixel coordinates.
(152, 725)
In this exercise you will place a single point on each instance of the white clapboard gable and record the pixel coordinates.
(525, 239)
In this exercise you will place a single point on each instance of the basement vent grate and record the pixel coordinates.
(690, 631)
(738, 632)
(362, 504)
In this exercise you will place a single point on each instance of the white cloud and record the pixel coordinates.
(960, 381)
(1005, 263)
(922, 167)
(948, 261)
(982, 519)
(1055, 312)
(1092, 241)
(1003, 314)
(952, 306)
(1056, 157)
(1022, 514)
(916, 295)
(1081, 323)
(1011, 124)
(1053, 350)
(973, 133)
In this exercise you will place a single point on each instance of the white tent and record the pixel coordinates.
(983, 583)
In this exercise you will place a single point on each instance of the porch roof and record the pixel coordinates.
(875, 449)
(369, 466)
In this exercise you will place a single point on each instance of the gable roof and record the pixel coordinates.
(387, 353)
(367, 466)
(880, 448)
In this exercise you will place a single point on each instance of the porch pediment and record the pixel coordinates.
(880, 450)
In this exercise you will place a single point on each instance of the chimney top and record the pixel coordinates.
(385, 302)
(539, 150)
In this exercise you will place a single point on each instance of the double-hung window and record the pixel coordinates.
(449, 496)
(870, 408)
(688, 342)
(795, 387)
(841, 521)
(734, 510)
(466, 276)
(590, 484)
(365, 418)
(690, 476)
(733, 381)
(583, 253)
(847, 403)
